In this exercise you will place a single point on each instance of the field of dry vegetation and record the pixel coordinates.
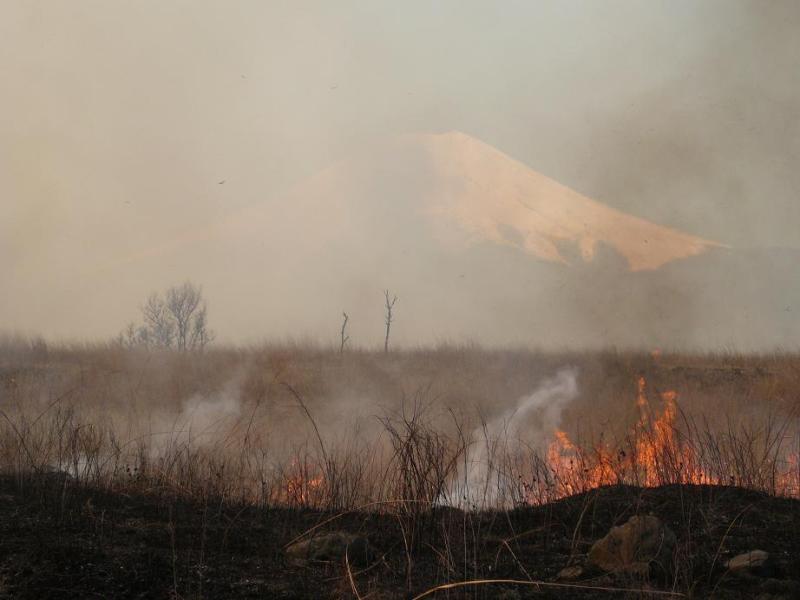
(205, 475)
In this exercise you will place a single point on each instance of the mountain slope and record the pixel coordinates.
(464, 191)
(497, 198)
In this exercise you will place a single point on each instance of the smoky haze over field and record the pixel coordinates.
(298, 158)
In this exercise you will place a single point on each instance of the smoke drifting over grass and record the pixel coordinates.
(530, 424)
(206, 417)
(379, 427)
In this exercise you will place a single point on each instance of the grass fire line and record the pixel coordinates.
(239, 432)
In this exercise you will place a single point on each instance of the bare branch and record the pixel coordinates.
(182, 302)
(178, 319)
(345, 337)
(389, 318)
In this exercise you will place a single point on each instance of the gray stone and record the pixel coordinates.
(635, 548)
(752, 561)
(331, 547)
(571, 573)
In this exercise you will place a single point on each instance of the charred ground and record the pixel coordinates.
(58, 540)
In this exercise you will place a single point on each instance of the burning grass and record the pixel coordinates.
(671, 447)
(406, 437)
(466, 427)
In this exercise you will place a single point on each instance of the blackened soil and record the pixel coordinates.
(62, 541)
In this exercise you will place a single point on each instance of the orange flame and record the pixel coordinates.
(304, 486)
(654, 454)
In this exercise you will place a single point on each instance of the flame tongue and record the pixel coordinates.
(654, 453)
(304, 486)
(641, 401)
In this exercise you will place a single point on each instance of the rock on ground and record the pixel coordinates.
(635, 547)
(571, 573)
(755, 561)
(331, 547)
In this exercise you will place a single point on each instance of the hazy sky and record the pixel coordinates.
(118, 119)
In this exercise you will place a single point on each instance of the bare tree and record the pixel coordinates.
(183, 302)
(201, 335)
(176, 319)
(159, 326)
(345, 337)
(389, 318)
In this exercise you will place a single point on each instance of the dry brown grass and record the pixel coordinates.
(300, 425)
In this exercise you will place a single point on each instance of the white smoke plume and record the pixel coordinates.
(205, 416)
(530, 424)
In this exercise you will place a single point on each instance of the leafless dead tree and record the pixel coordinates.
(389, 318)
(183, 303)
(201, 335)
(176, 319)
(159, 327)
(345, 337)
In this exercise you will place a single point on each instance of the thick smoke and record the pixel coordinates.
(530, 424)
(702, 135)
